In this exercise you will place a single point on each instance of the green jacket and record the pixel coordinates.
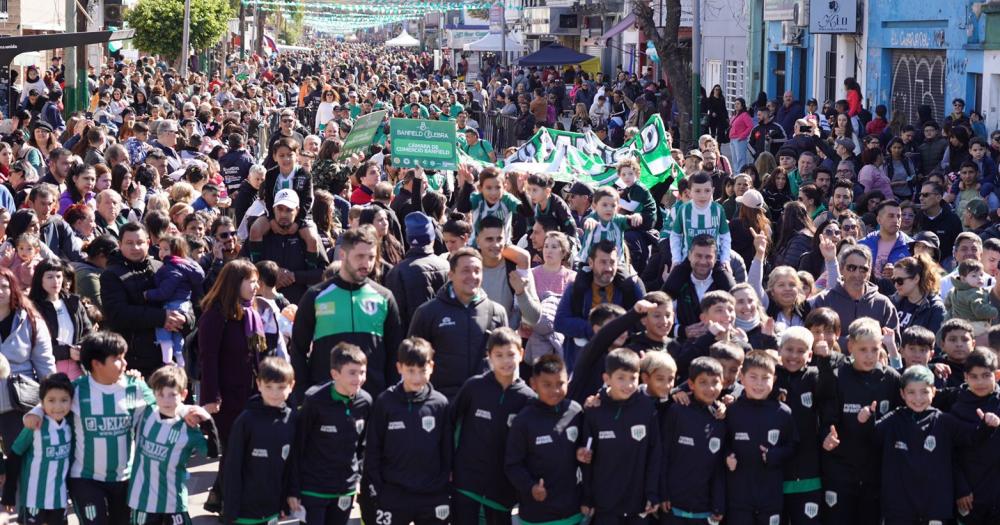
(969, 302)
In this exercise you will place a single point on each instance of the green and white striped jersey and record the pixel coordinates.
(504, 209)
(613, 230)
(45, 461)
(163, 447)
(691, 221)
(103, 427)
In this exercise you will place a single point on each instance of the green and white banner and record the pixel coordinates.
(429, 144)
(584, 157)
(362, 134)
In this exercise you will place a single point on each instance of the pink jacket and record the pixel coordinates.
(740, 126)
(874, 178)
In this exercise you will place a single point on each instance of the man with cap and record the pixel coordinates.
(579, 198)
(693, 162)
(283, 245)
(421, 273)
(479, 149)
(934, 217)
(236, 163)
(975, 217)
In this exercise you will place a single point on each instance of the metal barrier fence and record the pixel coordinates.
(496, 128)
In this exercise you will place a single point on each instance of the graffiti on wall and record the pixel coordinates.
(918, 80)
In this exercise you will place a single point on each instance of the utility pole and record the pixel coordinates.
(503, 32)
(186, 39)
(243, 31)
(77, 94)
(696, 70)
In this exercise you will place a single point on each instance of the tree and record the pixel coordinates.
(159, 24)
(676, 59)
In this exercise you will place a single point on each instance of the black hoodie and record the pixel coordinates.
(481, 415)
(409, 452)
(693, 478)
(624, 472)
(256, 466)
(978, 467)
(541, 445)
(756, 484)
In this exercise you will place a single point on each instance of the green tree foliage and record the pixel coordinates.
(159, 24)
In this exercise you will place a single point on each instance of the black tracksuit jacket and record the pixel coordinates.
(693, 458)
(757, 484)
(801, 397)
(978, 466)
(329, 442)
(541, 444)
(625, 469)
(409, 452)
(256, 466)
(481, 416)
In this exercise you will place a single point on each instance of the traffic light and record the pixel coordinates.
(113, 13)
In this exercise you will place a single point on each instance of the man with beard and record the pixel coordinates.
(840, 201)
(603, 283)
(225, 247)
(283, 245)
(938, 218)
(349, 307)
(688, 282)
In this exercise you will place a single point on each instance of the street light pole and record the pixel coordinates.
(503, 32)
(696, 70)
(186, 39)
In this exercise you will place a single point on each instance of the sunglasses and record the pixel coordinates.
(224, 236)
(288, 120)
(898, 281)
(851, 268)
(831, 232)
(925, 195)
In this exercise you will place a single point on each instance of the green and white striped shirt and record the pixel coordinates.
(163, 448)
(103, 427)
(612, 230)
(504, 209)
(46, 456)
(692, 221)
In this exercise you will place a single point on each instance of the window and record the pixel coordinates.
(735, 80)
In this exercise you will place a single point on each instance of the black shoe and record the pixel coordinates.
(214, 503)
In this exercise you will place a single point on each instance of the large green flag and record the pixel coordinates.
(584, 157)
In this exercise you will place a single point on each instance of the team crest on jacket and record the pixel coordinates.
(359, 425)
(572, 433)
(714, 444)
(807, 399)
(811, 510)
(830, 497)
(883, 407)
(441, 512)
(772, 436)
(510, 420)
(369, 306)
(775, 519)
(427, 422)
(285, 450)
(638, 432)
(344, 502)
(930, 443)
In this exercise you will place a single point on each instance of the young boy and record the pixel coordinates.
(956, 341)
(718, 315)
(700, 216)
(917, 348)
(256, 466)
(800, 383)
(209, 200)
(456, 233)
(490, 201)
(609, 332)
(270, 304)
(329, 439)
(540, 460)
(288, 174)
(620, 447)
(693, 481)
(849, 465)
(36, 468)
(409, 451)
(481, 414)
(657, 371)
(605, 223)
(546, 204)
(157, 492)
(106, 405)
(977, 467)
(762, 437)
(633, 197)
(918, 443)
(968, 299)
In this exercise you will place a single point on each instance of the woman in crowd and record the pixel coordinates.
(917, 298)
(64, 314)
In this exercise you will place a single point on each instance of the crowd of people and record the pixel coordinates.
(802, 328)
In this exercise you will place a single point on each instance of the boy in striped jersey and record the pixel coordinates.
(105, 406)
(490, 201)
(606, 224)
(700, 216)
(43, 456)
(157, 492)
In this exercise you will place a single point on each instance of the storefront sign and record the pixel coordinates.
(833, 17)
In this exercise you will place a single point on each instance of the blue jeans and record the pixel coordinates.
(738, 155)
(175, 339)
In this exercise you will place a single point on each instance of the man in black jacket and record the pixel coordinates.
(55, 232)
(236, 164)
(766, 135)
(421, 273)
(130, 273)
(690, 280)
(457, 323)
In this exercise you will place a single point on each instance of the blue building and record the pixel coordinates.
(925, 52)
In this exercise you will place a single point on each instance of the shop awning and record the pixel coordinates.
(618, 28)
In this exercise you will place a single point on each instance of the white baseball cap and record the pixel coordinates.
(287, 198)
(751, 199)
